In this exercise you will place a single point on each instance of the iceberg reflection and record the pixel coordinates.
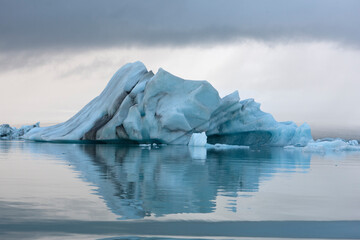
(138, 182)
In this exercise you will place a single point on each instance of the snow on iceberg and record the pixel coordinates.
(139, 107)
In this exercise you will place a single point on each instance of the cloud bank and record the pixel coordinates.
(85, 24)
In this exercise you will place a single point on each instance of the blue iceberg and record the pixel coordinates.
(138, 106)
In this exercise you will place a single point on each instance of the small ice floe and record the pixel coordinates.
(329, 145)
(197, 145)
(150, 145)
(145, 146)
(219, 146)
(198, 140)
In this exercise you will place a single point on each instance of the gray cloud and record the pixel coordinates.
(82, 24)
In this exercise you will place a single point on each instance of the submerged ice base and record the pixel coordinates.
(139, 107)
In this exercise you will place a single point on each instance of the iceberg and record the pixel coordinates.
(8, 133)
(325, 145)
(138, 106)
(198, 140)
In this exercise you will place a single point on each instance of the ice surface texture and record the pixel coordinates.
(7, 132)
(139, 107)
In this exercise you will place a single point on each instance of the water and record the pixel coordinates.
(105, 191)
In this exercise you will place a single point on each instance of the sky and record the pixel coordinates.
(299, 59)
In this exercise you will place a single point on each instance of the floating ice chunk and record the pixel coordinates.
(8, 132)
(329, 145)
(198, 139)
(197, 146)
(219, 146)
(145, 145)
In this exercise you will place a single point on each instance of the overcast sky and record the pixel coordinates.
(299, 59)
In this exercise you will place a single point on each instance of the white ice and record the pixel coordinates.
(198, 139)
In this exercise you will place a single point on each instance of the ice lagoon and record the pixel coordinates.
(97, 191)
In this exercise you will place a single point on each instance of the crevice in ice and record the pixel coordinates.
(91, 134)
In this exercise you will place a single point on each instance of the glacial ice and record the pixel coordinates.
(198, 140)
(7, 132)
(328, 145)
(140, 107)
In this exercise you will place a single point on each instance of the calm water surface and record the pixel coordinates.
(105, 191)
